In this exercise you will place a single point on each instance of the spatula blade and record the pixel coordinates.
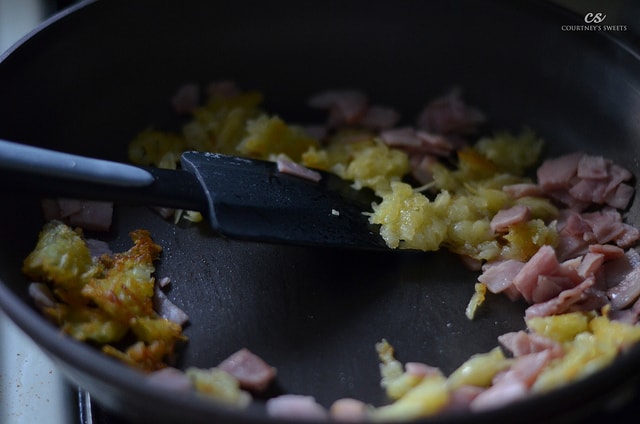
(251, 199)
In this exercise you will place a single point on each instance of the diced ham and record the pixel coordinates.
(590, 264)
(450, 115)
(250, 370)
(499, 275)
(296, 407)
(520, 190)
(589, 191)
(460, 398)
(405, 137)
(98, 247)
(319, 132)
(521, 343)
(87, 214)
(562, 303)
(609, 251)
(549, 286)
(224, 88)
(435, 144)
(578, 231)
(167, 309)
(93, 215)
(557, 173)
(379, 118)
(170, 378)
(628, 237)
(422, 167)
(628, 316)
(605, 225)
(526, 368)
(593, 167)
(292, 168)
(506, 218)
(163, 282)
(515, 382)
(417, 142)
(41, 295)
(626, 291)
(620, 197)
(499, 395)
(419, 369)
(544, 262)
(345, 106)
(578, 180)
(348, 410)
(186, 99)
(617, 268)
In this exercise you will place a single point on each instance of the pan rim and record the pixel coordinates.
(28, 319)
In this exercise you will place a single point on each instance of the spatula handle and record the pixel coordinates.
(29, 169)
(21, 157)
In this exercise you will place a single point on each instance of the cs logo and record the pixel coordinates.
(594, 18)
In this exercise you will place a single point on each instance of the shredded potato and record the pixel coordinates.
(218, 384)
(106, 299)
(468, 197)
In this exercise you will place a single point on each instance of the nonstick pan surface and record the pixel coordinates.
(88, 81)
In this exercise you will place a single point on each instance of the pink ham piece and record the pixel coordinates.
(521, 343)
(296, 407)
(626, 291)
(292, 168)
(557, 173)
(405, 138)
(418, 142)
(450, 115)
(544, 262)
(461, 397)
(422, 167)
(379, 118)
(167, 309)
(514, 383)
(618, 268)
(520, 190)
(86, 214)
(578, 231)
(609, 251)
(98, 248)
(506, 218)
(252, 372)
(225, 88)
(170, 378)
(563, 302)
(345, 106)
(579, 180)
(628, 316)
(590, 264)
(498, 395)
(41, 295)
(499, 275)
(186, 99)
(348, 410)
(418, 369)
(593, 167)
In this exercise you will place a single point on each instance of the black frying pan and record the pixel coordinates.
(89, 81)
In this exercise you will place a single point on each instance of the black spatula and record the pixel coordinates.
(242, 198)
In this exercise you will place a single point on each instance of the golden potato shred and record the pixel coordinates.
(107, 301)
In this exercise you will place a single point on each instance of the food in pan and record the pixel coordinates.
(549, 232)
